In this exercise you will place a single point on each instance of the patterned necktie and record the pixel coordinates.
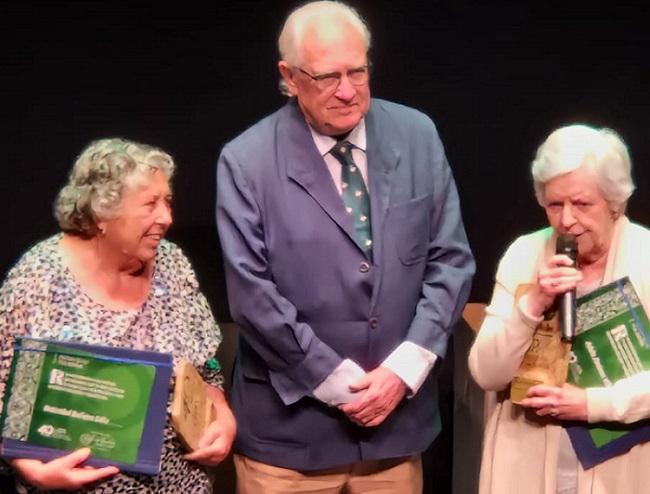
(355, 195)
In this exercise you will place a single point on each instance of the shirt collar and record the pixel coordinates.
(357, 138)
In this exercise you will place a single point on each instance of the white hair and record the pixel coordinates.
(601, 151)
(312, 16)
(99, 177)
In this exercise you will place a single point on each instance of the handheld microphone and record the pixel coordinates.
(566, 244)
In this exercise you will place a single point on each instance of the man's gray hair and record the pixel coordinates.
(99, 178)
(601, 151)
(310, 16)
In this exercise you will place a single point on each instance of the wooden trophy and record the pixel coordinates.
(192, 408)
(547, 359)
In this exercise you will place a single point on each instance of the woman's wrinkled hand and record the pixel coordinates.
(556, 277)
(563, 403)
(216, 442)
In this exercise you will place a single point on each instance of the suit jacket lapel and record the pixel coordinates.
(383, 157)
(306, 167)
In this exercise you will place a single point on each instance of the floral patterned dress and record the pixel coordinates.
(40, 298)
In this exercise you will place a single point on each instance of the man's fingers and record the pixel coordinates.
(355, 410)
(358, 405)
(380, 398)
(362, 383)
(377, 421)
(364, 415)
(368, 412)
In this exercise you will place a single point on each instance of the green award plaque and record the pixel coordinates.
(65, 398)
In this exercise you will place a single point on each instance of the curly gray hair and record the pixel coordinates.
(99, 177)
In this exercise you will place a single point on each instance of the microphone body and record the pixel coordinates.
(567, 245)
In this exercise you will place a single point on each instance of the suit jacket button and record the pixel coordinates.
(373, 322)
(364, 267)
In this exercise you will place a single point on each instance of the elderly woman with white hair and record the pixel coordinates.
(583, 181)
(111, 279)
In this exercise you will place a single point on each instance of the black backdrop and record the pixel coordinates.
(496, 77)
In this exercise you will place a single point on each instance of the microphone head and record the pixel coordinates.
(566, 244)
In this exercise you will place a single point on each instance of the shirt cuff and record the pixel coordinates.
(335, 390)
(527, 318)
(412, 364)
(599, 405)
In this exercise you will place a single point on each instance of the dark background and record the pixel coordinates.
(496, 77)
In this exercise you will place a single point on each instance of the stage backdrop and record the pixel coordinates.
(496, 77)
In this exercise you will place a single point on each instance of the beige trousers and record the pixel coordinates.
(391, 476)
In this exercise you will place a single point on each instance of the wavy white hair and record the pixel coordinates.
(315, 15)
(601, 151)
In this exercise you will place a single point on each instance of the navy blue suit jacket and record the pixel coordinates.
(299, 287)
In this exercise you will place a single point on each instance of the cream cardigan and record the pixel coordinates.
(520, 450)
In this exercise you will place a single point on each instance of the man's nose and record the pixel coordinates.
(346, 90)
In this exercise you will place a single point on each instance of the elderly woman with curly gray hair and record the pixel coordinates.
(110, 278)
(582, 178)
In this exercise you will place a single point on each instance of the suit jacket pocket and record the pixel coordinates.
(410, 226)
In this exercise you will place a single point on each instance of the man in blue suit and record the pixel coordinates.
(347, 265)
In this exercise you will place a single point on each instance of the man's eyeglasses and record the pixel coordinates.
(332, 80)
